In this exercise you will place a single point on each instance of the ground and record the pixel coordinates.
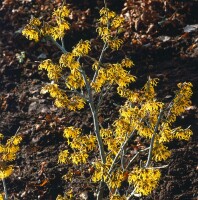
(168, 52)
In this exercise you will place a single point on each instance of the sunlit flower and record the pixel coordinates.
(63, 157)
(31, 30)
(79, 157)
(82, 48)
(61, 12)
(144, 180)
(160, 152)
(116, 179)
(71, 132)
(53, 71)
(6, 172)
(75, 80)
(126, 62)
(117, 22)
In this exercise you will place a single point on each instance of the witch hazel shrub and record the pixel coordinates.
(116, 171)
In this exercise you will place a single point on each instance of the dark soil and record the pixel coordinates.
(37, 174)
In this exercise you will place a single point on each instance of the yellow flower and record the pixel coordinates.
(71, 132)
(31, 30)
(144, 180)
(82, 48)
(117, 22)
(115, 43)
(76, 103)
(100, 80)
(63, 157)
(95, 65)
(133, 97)
(53, 71)
(68, 60)
(144, 131)
(105, 133)
(46, 29)
(79, 157)
(103, 20)
(116, 74)
(5, 172)
(101, 171)
(12, 149)
(122, 127)
(160, 152)
(107, 12)
(126, 62)
(165, 133)
(59, 197)
(59, 31)
(89, 142)
(16, 140)
(113, 144)
(31, 33)
(8, 156)
(62, 12)
(116, 179)
(181, 101)
(55, 92)
(69, 194)
(69, 175)
(182, 134)
(35, 22)
(148, 89)
(75, 80)
(105, 33)
(2, 148)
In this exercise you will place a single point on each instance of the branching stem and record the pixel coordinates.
(95, 118)
(121, 149)
(62, 48)
(153, 139)
(105, 46)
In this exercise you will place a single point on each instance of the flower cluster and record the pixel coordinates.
(81, 146)
(142, 115)
(8, 153)
(109, 25)
(61, 99)
(181, 100)
(114, 74)
(31, 30)
(144, 180)
(82, 48)
(56, 28)
(53, 71)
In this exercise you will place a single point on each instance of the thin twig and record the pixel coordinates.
(117, 155)
(5, 189)
(58, 45)
(134, 157)
(62, 43)
(100, 60)
(101, 96)
(95, 118)
(153, 139)
(132, 193)
(123, 146)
